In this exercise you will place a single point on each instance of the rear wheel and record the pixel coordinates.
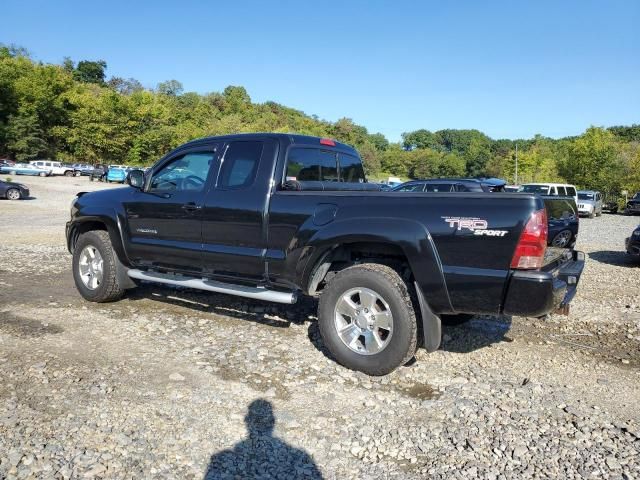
(68, 173)
(367, 320)
(13, 194)
(94, 268)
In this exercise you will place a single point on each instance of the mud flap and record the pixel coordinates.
(124, 280)
(431, 324)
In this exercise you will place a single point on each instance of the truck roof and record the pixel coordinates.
(287, 137)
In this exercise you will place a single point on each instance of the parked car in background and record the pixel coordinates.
(452, 185)
(5, 162)
(13, 190)
(551, 189)
(632, 243)
(98, 173)
(82, 169)
(117, 173)
(633, 205)
(563, 221)
(610, 205)
(25, 169)
(57, 168)
(589, 203)
(511, 188)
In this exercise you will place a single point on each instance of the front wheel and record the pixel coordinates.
(13, 194)
(68, 173)
(94, 268)
(367, 320)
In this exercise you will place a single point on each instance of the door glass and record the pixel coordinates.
(240, 165)
(439, 187)
(185, 173)
(562, 191)
(415, 187)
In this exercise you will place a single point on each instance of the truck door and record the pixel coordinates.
(234, 235)
(165, 220)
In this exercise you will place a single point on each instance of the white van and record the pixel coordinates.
(56, 168)
(552, 189)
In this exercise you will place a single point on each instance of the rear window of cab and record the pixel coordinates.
(314, 164)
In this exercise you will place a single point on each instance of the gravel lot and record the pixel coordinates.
(180, 384)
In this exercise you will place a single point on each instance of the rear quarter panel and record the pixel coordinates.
(458, 270)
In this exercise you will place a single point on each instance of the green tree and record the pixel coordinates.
(173, 88)
(25, 137)
(88, 71)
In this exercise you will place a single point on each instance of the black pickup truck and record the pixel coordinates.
(273, 216)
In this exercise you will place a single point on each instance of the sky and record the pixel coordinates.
(511, 69)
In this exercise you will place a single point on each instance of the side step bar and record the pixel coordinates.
(257, 293)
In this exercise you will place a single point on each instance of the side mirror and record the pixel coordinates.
(135, 178)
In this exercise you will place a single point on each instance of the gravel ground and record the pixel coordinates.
(174, 383)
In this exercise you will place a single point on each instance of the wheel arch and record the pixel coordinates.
(89, 223)
(396, 239)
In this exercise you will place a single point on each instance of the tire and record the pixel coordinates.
(107, 289)
(392, 304)
(458, 319)
(591, 215)
(13, 194)
(562, 239)
(13, 172)
(42, 174)
(68, 173)
(91, 178)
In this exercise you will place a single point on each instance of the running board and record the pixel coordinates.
(257, 293)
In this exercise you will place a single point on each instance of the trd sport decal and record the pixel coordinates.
(477, 225)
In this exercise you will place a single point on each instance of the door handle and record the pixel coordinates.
(191, 207)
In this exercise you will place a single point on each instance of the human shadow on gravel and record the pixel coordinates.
(614, 257)
(261, 455)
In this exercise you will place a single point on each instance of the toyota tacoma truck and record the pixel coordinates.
(276, 216)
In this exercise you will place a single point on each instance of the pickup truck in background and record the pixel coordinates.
(275, 216)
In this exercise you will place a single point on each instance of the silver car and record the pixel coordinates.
(589, 203)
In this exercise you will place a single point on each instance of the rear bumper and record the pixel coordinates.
(537, 293)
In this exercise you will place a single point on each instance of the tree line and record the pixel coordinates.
(74, 113)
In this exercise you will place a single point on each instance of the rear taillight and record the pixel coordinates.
(328, 142)
(530, 250)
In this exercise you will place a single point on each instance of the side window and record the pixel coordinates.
(240, 165)
(562, 191)
(187, 172)
(350, 168)
(309, 164)
(461, 188)
(439, 187)
(571, 191)
(415, 187)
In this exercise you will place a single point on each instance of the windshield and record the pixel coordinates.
(585, 196)
(541, 189)
(636, 196)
